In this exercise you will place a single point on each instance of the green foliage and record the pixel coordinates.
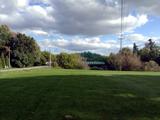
(4, 52)
(45, 59)
(24, 51)
(5, 35)
(113, 62)
(150, 52)
(144, 53)
(93, 56)
(148, 57)
(1, 63)
(71, 61)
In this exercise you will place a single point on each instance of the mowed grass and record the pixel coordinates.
(50, 94)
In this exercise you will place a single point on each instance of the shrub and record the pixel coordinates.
(151, 66)
(113, 62)
(1, 63)
(124, 60)
(71, 61)
(131, 62)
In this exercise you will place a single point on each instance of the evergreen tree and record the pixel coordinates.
(135, 48)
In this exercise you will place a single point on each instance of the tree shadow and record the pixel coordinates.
(86, 97)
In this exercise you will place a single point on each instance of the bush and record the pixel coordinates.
(151, 66)
(131, 62)
(45, 59)
(124, 60)
(55, 64)
(1, 63)
(113, 62)
(71, 61)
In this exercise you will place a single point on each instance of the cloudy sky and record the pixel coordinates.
(83, 25)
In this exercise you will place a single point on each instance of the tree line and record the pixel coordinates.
(146, 58)
(19, 50)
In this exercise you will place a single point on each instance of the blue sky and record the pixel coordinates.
(83, 25)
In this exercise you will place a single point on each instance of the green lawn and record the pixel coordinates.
(50, 94)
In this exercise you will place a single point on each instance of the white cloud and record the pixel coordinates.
(137, 37)
(144, 6)
(92, 17)
(37, 32)
(79, 17)
(71, 17)
(141, 38)
(130, 22)
(80, 44)
(22, 3)
(30, 18)
(7, 6)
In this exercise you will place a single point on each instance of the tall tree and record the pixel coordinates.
(150, 52)
(150, 45)
(24, 50)
(135, 48)
(5, 34)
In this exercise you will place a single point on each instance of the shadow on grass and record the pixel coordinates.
(85, 97)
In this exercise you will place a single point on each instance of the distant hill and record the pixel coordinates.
(93, 56)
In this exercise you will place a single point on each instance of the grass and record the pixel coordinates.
(50, 94)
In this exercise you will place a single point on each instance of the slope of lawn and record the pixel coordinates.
(51, 94)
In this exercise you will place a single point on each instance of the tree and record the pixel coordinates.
(5, 35)
(93, 56)
(24, 50)
(150, 52)
(4, 56)
(145, 54)
(71, 61)
(124, 60)
(45, 58)
(151, 66)
(113, 62)
(135, 48)
(150, 45)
